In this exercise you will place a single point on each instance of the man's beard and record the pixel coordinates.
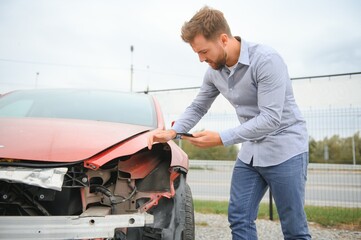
(219, 63)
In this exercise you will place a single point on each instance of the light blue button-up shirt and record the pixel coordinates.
(271, 129)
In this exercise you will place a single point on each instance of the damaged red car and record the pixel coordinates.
(74, 164)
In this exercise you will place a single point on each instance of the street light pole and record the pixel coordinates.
(36, 80)
(147, 88)
(131, 68)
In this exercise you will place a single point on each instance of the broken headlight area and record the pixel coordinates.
(147, 195)
(126, 184)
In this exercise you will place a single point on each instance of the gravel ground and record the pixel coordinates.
(212, 226)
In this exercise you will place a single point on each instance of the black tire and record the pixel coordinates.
(189, 228)
(174, 217)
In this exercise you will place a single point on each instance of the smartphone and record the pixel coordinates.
(179, 135)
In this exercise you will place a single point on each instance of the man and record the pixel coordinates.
(273, 134)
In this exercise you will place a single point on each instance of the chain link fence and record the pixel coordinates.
(331, 106)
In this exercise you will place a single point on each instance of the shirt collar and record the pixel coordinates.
(243, 56)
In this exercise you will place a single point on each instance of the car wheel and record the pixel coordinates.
(189, 225)
(173, 218)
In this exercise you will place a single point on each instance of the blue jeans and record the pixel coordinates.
(287, 183)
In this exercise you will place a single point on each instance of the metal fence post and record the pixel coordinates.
(270, 205)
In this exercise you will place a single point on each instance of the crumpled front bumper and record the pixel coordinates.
(69, 227)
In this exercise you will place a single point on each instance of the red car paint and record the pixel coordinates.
(60, 140)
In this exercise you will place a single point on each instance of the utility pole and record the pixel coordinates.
(131, 68)
(147, 87)
(36, 80)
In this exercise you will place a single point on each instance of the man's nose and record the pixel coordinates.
(201, 58)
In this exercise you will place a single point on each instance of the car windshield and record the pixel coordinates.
(98, 105)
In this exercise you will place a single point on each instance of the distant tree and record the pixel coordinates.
(357, 146)
(312, 150)
(213, 153)
(329, 150)
(337, 149)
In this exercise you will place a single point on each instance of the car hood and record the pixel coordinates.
(60, 140)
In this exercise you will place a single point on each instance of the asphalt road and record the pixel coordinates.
(339, 187)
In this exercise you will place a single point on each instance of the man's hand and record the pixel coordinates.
(205, 139)
(160, 136)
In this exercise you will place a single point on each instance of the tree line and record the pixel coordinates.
(336, 149)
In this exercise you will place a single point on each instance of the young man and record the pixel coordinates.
(273, 133)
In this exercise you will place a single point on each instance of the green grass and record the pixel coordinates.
(336, 217)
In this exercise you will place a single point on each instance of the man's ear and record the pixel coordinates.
(224, 39)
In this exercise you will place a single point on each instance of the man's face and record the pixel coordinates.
(212, 52)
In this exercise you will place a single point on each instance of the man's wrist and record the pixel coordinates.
(178, 136)
(173, 133)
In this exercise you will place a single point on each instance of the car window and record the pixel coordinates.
(95, 105)
(16, 109)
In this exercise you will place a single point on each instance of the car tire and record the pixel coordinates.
(174, 217)
(189, 228)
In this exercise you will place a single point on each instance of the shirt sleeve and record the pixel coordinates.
(199, 107)
(271, 78)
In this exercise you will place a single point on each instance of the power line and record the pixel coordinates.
(95, 67)
(155, 72)
(330, 75)
(57, 64)
(297, 78)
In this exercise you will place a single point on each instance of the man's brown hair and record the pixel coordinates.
(208, 22)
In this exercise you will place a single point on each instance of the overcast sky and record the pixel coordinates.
(85, 43)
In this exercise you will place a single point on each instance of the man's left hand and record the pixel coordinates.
(205, 139)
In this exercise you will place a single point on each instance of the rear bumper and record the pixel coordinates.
(69, 227)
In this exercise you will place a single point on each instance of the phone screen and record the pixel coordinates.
(185, 134)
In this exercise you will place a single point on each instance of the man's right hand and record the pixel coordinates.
(161, 136)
